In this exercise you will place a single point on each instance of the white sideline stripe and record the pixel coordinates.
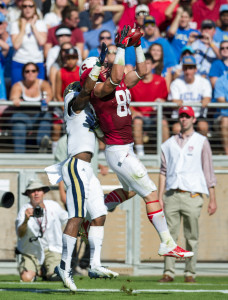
(115, 291)
(159, 284)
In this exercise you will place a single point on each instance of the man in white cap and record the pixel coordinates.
(39, 230)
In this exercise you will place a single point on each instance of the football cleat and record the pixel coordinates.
(67, 278)
(177, 252)
(101, 272)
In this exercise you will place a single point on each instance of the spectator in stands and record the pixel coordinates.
(6, 49)
(104, 37)
(206, 50)
(68, 73)
(91, 37)
(14, 11)
(58, 64)
(39, 230)
(177, 71)
(206, 9)
(141, 11)
(30, 118)
(109, 12)
(54, 17)
(147, 40)
(191, 88)
(70, 18)
(221, 95)
(186, 173)
(156, 52)
(179, 30)
(29, 34)
(3, 8)
(220, 66)
(152, 88)
(221, 33)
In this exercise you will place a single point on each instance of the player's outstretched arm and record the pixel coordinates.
(133, 77)
(82, 97)
(103, 89)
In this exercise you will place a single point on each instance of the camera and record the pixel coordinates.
(200, 36)
(38, 212)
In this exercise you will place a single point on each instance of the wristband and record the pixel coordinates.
(138, 75)
(113, 82)
(140, 57)
(99, 132)
(95, 72)
(120, 57)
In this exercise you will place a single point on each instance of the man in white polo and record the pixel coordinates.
(186, 173)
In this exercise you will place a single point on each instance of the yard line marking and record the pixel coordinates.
(113, 290)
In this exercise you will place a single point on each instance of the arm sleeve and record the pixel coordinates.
(219, 91)
(206, 88)
(163, 166)
(174, 91)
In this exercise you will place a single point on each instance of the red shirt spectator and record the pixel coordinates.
(76, 37)
(206, 9)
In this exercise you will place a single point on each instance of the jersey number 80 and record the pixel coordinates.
(123, 98)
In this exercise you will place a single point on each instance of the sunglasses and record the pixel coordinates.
(142, 13)
(61, 35)
(105, 38)
(149, 24)
(26, 6)
(184, 116)
(222, 48)
(112, 52)
(30, 71)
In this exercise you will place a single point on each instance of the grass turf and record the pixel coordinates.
(123, 288)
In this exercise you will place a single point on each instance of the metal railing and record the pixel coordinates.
(154, 132)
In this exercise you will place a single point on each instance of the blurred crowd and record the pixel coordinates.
(43, 44)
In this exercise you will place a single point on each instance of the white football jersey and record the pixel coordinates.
(80, 137)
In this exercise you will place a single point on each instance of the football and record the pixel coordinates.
(135, 34)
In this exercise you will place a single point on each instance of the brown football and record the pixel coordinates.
(135, 36)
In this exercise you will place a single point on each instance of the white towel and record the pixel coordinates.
(54, 172)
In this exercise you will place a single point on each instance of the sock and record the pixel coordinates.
(112, 200)
(68, 248)
(96, 235)
(139, 150)
(157, 218)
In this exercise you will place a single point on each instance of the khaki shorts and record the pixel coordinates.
(30, 263)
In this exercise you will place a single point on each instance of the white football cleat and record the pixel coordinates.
(177, 252)
(101, 272)
(67, 278)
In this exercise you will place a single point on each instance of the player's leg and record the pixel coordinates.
(135, 176)
(97, 211)
(76, 175)
(117, 197)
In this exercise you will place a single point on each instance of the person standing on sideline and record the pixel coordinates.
(186, 173)
(110, 99)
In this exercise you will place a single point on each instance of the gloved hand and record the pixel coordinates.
(104, 50)
(138, 30)
(122, 37)
(92, 121)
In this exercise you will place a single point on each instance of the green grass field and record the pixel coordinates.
(124, 287)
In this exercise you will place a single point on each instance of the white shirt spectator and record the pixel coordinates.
(29, 50)
(195, 92)
(51, 19)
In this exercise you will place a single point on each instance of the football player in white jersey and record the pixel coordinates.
(84, 193)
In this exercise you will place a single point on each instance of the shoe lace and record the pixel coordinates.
(70, 275)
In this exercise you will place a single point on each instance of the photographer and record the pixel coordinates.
(39, 230)
(206, 49)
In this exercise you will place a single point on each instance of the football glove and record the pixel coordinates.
(122, 37)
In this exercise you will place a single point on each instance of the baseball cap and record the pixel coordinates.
(189, 60)
(2, 17)
(63, 31)
(72, 51)
(188, 110)
(208, 24)
(223, 8)
(187, 48)
(149, 19)
(142, 8)
(35, 184)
